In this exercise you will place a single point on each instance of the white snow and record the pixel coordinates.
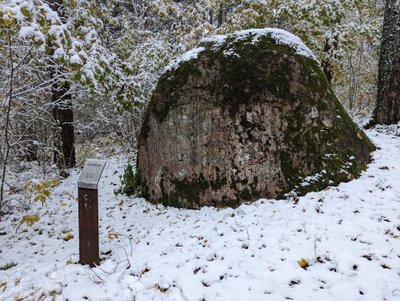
(75, 59)
(231, 53)
(187, 56)
(217, 40)
(350, 234)
(32, 32)
(59, 53)
(51, 15)
(286, 38)
(26, 31)
(279, 35)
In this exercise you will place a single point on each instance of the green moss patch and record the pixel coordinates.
(187, 192)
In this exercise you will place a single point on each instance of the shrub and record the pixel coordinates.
(130, 182)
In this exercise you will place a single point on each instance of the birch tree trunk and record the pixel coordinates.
(387, 108)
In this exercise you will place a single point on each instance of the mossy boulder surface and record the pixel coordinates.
(246, 116)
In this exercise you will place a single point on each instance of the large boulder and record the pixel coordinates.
(246, 116)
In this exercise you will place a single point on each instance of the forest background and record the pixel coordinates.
(80, 73)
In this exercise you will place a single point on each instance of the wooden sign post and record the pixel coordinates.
(89, 212)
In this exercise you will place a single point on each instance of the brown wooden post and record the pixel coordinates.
(88, 226)
(89, 212)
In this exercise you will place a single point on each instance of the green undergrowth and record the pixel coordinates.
(7, 266)
(130, 182)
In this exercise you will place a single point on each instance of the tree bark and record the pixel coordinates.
(30, 150)
(7, 123)
(220, 15)
(387, 108)
(63, 114)
(55, 4)
(326, 63)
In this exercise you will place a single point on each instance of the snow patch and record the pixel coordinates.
(33, 32)
(59, 53)
(26, 31)
(190, 55)
(281, 36)
(217, 40)
(75, 59)
(230, 53)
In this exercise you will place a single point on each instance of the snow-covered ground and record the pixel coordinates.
(350, 236)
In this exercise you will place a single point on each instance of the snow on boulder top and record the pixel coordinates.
(281, 37)
(187, 56)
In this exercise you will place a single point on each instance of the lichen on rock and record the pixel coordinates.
(246, 116)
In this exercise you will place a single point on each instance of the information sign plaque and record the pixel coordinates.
(89, 212)
(91, 173)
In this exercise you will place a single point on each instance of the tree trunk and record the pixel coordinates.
(30, 149)
(63, 114)
(220, 15)
(7, 147)
(387, 108)
(326, 63)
